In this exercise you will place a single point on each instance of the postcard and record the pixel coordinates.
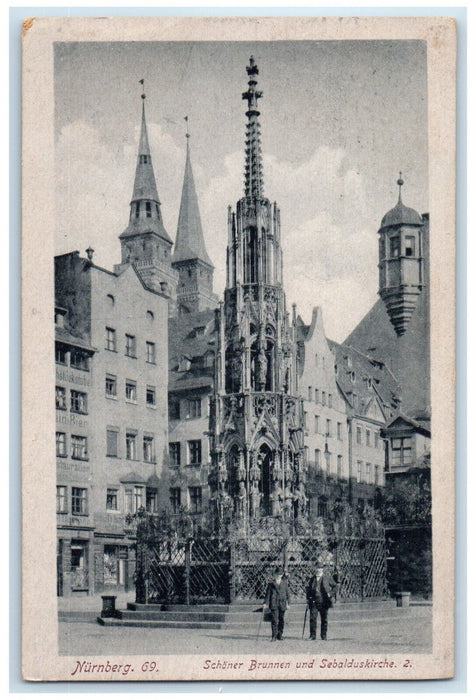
(238, 313)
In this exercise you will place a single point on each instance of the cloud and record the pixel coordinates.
(330, 249)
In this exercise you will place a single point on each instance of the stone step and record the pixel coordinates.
(173, 615)
(179, 607)
(117, 622)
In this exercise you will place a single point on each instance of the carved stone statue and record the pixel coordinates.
(262, 368)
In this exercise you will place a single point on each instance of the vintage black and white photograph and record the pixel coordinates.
(243, 388)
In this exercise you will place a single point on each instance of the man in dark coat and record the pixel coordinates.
(319, 592)
(277, 600)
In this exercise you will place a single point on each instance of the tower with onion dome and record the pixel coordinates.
(401, 262)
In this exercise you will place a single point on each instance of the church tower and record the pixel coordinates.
(256, 416)
(401, 262)
(145, 242)
(190, 258)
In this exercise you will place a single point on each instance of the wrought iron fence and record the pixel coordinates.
(212, 570)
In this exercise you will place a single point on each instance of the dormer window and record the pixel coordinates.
(184, 364)
(143, 159)
(59, 317)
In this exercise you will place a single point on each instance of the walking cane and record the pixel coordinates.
(260, 621)
(304, 625)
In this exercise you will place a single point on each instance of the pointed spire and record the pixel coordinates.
(144, 184)
(145, 213)
(189, 244)
(253, 162)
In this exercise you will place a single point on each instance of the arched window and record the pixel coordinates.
(232, 463)
(251, 253)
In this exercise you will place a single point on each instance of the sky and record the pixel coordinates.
(339, 120)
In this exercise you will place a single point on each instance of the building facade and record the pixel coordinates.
(169, 400)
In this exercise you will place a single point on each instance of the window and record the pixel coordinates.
(79, 360)
(368, 467)
(328, 456)
(309, 393)
(304, 419)
(111, 386)
(110, 299)
(151, 500)
(60, 354)
(137, 209)
(133, 499)
(376, 439)
(352, 377)
(367, 438)
(316, 424)
(150, 395)
(131, 445)
(148, 209)
(174, 409)
(195, 496)
(339, 466)
(79, 447)
(328, 428)
(317, 458)
(112, 447)
(138, 498)
(339, 431)
(316, 395)
(111, 339)
(359, 471)
(195, 451)
(130, 345)
(150, 347)
(395, 247)
(78, 501)
(61, 499)
(359, 435)
(131, 391)
(329, 400)
(111, 499)
(150, 315)
(410, 246)
(401, 452)
(61, 444)
(61, 398)
(193, 408)
(175, 497)
(148, 448)
(323, 398)
(174, 452)
(128, 501)
(79, 401)
(377, 475)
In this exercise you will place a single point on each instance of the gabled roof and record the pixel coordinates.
(184, 341)
(366, 377)
(405, 420)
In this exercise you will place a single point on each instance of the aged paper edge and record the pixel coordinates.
(40, 660)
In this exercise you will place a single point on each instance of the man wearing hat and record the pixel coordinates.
(319, 592)
(277, 600)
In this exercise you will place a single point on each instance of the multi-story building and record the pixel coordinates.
(237, 405)
(111, 396)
